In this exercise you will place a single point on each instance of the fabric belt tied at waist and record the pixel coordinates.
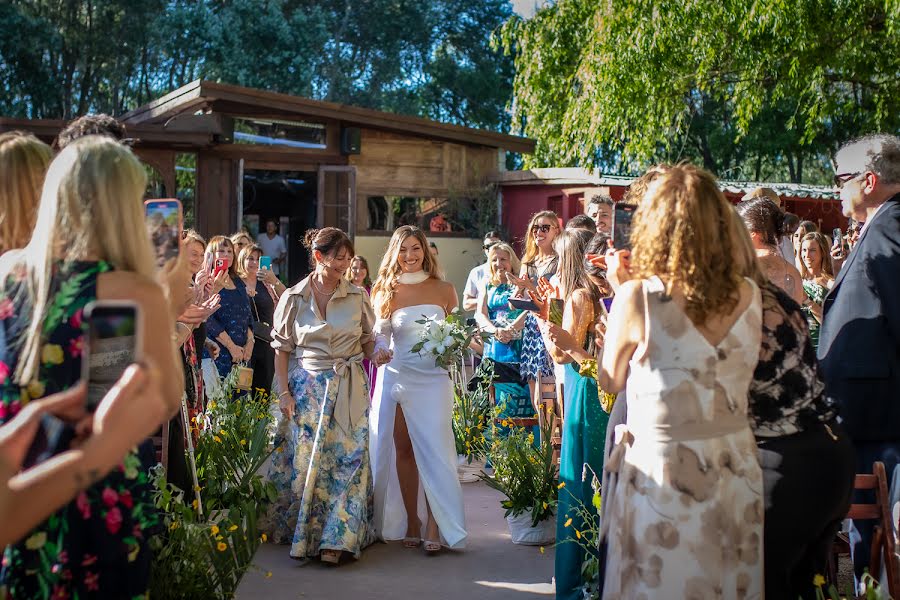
(351, 399)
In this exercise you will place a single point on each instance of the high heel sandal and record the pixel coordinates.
(331, 557)
(413, 541)
(432, 547)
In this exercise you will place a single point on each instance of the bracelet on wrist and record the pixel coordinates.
(283, 394)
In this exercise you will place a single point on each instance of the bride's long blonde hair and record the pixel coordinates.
(389, 271)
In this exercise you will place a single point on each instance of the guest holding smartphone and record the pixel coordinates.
(230, 326)
(89, 243)
(263, 291)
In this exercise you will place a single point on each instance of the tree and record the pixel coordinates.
(763, 89)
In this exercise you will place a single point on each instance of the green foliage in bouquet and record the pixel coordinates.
(205, 555)
(447, 340)
(472, 413)
(524, 472)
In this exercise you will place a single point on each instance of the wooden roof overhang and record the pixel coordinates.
(232, 100)
(195, 135)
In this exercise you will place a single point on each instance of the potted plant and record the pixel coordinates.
(526, 473)
(471, 422)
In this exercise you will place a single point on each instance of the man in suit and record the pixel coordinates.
(859, 343)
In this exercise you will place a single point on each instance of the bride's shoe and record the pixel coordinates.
(432, 548)
(331, 557)
(413, 541)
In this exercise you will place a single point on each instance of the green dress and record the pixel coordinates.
(816, 293)
(583, 438)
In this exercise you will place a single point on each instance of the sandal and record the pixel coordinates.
(432, 547)
(331, 557)
(411, 542)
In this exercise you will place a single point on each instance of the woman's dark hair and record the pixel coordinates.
(808, 227)
(598, 245)
(328, 240)
(763, 217)
(100, 124)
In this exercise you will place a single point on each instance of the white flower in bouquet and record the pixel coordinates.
(445, 339)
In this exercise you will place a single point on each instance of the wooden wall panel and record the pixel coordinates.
(216, 195)
(164, 162)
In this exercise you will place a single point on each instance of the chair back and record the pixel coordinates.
(884, 540)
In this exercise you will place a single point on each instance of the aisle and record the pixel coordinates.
(490, 568)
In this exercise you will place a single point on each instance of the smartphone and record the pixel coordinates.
(54, 436)
(524, 304)
(113, 343)
(622, 215)
(607, 304)
(207, 262)
(164, 222)
(221, 265)
(555, 314)
(265, 262)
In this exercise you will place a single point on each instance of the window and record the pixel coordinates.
(459, 216)
(274, 132)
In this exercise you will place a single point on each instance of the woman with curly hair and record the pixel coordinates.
(684, 334)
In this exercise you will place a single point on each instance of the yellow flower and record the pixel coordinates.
(568, 522)
(222, 431)
(212, 405)
(52, 354)
(219, 538)
(37, 541)
(268, 574)
(196, 488)
(173, 526)
(264, 537)
(217, 439)
(818, 580)
(542, 549)
(577, 534)
(194, 504)
(545, 506)
(221, 546)
(243, 442)
(232, 528)
(561, 485)
(214, 530)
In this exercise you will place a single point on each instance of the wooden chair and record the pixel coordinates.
(883, 537)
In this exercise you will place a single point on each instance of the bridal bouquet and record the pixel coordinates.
(445, 339)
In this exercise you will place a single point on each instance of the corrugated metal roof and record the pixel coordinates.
(578, 176)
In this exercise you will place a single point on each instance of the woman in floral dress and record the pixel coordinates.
(818, 276)
(91, 206)
(321, 332)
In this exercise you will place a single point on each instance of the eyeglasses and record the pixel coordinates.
(841, 178)
(489, 245)
(545, 228)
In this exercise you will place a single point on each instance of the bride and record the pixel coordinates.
(411, 438)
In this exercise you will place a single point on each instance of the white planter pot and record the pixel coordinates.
(468, 473)
(521, 531)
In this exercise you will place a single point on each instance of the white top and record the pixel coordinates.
(475, 280)
(274, 248)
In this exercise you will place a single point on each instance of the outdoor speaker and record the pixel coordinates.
(350, 140)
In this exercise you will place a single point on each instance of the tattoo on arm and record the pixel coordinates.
(86, 480)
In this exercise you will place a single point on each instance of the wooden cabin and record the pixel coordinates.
(237, 157)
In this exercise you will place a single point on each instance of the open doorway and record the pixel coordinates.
(288, 197)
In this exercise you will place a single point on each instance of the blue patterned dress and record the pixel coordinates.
(233, 317)
(321, 468)
(535, 358)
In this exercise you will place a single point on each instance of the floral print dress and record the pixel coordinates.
(686, 520)
(96, 546)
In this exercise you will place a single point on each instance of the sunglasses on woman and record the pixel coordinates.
(545, 228)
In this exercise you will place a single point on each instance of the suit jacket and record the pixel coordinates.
(859, 342)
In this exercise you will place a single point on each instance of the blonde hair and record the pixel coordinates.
(389, 271)
(824, 250)
(570, 246)
(240, 234)
(246, 252)
(514, 264)
(531, 248)
(23, 162)
(682, 228)
(223, 240)
(90, 208)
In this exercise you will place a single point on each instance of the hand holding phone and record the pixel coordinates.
(622, 216)
(113, 343)
(265, 262)
(524, 304)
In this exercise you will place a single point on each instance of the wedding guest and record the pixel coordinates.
(495, 316)
(273, 245)
(540, 261)
(478, 274)
(85, 125)
(240, 240)
(765, 222)
(600, 209)
(230, 326)
(584, 426)
(818, 277)
(412, 435)
(797, 238)
(689, 329)
(263, 290)
(358, 273)
(859, 342)
(581, 222)
(322, 330)
(23, 162)
(90, 235)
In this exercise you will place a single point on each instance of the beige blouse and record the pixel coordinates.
(299, 327)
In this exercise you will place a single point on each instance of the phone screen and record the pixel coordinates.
(622, 215)
(265, 262)
(113, 342)
(555, 313)
(163, 219)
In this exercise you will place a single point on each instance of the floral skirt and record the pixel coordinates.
(534, 356)
(322, 474)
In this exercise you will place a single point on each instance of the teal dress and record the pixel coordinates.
(583, 437)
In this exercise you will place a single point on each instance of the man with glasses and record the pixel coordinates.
(859, 342)
(478, 274)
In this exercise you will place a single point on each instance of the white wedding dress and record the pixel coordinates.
(425, 395)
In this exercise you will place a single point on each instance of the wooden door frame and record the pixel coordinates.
(320, 196)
